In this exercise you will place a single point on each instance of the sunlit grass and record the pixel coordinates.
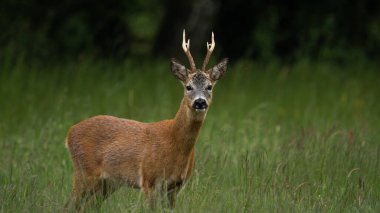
(277, 138)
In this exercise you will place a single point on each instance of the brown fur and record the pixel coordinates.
(143, 155)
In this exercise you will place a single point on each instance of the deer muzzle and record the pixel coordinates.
(200, 104)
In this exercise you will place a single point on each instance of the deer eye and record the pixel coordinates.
(189, 88)
(209, 87)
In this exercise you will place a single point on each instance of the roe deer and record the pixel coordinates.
(157, 157)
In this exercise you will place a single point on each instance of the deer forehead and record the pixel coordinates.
(199, 79)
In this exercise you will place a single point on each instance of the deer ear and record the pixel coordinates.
(178, 70)
(218, 70)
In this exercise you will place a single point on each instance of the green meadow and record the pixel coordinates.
(277, 138)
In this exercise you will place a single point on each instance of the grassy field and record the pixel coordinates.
(276, 139)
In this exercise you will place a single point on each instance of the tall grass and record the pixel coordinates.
(277, 138)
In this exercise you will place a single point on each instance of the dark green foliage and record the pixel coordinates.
(334, 30)
(50, 29)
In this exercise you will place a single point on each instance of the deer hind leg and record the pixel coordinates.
(100, 192)
(89, 190)
(83, 189)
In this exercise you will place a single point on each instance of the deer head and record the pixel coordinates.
(198, 84)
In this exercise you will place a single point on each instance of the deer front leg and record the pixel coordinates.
(172, 195)
(172, 192)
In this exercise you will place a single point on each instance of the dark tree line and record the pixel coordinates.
(284, 29)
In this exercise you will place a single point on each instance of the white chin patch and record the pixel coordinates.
(200, 110)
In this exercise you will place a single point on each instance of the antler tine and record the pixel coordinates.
(186, 49)
(210, 49)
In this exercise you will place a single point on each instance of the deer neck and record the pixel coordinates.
(187, 125)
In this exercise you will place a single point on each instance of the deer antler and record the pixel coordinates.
(186, 49)
(210, 48)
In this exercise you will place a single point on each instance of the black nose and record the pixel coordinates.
(200, 104)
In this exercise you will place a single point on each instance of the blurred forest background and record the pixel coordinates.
(294, 125)
(283, 29)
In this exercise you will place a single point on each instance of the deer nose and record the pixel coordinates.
(200, 104)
